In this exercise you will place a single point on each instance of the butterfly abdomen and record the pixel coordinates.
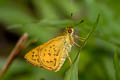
(62, 60)
(66, 49)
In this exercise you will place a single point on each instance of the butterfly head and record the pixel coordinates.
(69, 30)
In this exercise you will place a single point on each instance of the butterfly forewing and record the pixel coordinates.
(51, 53)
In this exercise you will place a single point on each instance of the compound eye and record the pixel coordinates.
(69, 31)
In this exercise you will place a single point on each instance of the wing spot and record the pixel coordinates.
(55, 61)
(44, 54)
(34, 59)
(36, 55)
(50, 46)
(38, 60)
(45, 50)
(66, 49)
(32, 56)
(54, 49)
(55, 54)
(47, 61)
(49, 50)
(49, 54)
(33, 52)
(51, 61)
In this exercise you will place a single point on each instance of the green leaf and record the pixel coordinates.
(46, 9)
(116, 65)
(72, 73)
(14, 15)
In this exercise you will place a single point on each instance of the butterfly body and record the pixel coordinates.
(52, 54)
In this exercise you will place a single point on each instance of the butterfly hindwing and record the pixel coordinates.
(47, 55)
(33, 56)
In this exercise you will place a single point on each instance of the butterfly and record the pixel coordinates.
(52, 54)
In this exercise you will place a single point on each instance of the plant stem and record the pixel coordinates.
(15, 52)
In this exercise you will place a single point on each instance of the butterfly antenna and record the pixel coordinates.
(81, 21)
(71, 15)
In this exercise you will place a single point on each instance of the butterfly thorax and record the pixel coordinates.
(69, 39)
(69, 31)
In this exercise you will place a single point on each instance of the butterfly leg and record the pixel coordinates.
(80, 38)
(77, 45)
(70, 61)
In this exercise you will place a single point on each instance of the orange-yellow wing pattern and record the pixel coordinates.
(48, 55)
(33, 56)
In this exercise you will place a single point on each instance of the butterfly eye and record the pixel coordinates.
(69, 31)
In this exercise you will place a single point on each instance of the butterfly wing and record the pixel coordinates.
(51, 54)
(48, 55)
(33, 56)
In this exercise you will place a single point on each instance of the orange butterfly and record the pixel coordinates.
(52, 54)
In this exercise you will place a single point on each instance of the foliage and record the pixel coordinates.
(43, 20)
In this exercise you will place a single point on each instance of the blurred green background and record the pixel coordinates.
(44, 19)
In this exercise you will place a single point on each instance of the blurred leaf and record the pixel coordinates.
(12, 13)
(46, 9)
(72, 73)
(43, 20)
(116, 65)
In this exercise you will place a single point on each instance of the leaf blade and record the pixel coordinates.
(72, 73)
